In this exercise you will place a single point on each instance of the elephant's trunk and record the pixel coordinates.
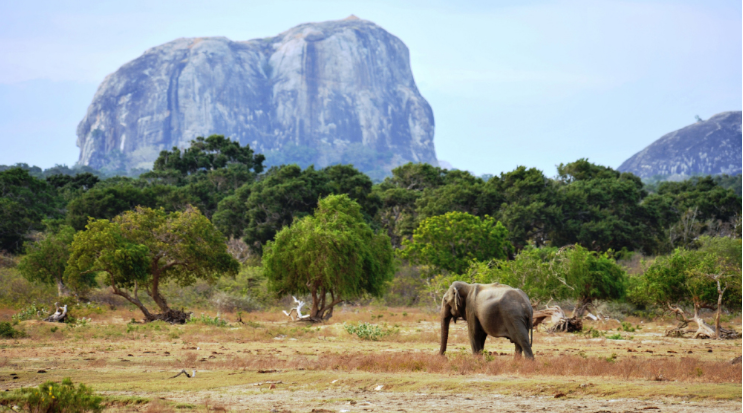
(445, 319)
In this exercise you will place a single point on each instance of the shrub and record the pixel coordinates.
(368, 331)
(54, 397)
(7, 331)
(29, 313)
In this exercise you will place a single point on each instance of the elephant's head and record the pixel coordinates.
(453, 305)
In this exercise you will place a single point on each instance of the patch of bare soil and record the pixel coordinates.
(349, 401)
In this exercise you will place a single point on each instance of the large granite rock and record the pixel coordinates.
(708, 147)
(323, 92)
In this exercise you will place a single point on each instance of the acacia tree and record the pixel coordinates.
(332, 255)
(451, 241)
(146, 248)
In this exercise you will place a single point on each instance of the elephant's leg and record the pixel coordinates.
(477, 336)
(519, 350)
(521, 341)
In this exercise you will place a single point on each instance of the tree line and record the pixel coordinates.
(450, 222)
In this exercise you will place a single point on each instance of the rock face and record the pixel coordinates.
(322, 91)
(708, 147)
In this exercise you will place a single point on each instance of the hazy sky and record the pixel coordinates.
(510, 82)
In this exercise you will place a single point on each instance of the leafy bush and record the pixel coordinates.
(53, 397)
(29, 313)
(7, 331)
(364, 331)
(627, 327)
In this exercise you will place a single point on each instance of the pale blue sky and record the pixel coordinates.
(510, 82)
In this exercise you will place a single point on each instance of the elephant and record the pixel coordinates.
(495, 310)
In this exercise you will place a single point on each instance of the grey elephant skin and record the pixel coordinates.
(495, 310)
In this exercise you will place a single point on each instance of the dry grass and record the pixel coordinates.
(685, 369)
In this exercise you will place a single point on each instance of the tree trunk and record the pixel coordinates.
(134, 299)
(62, 290)
(720, 292)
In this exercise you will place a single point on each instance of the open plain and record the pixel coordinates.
(269, 364)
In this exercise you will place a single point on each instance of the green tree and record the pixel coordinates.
(45, 261)
(332, 255)
(450, 241)
(284, 194)
(146, 248)
(214, 152)
(700, 278)
(399, 193)
(25, 202)
(603, 209)
(524, 201)
(111, 199)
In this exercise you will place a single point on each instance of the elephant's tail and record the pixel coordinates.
(531, 332)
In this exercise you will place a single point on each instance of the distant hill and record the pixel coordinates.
(710, 147)
(319, 93)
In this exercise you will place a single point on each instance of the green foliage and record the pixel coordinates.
(549, 273)
(7, 331)
(733, 183)
(46, 260)
(257, 211)
(703, 194)
(331, 252)
(25, 202)
(65, 397)
(32, 312)
(449, 242)
(147, 247)
(690, 276)
(603, 209)
(524, 201)
(627, 327)
(214, 152)
(109, 200)
(364, 331)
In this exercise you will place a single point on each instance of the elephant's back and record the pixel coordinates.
(505, 301)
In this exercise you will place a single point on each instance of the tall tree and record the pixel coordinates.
(451, 241)
(332, 255)
(603, 209)
(210, 153)
(25, 202)
(146, 248)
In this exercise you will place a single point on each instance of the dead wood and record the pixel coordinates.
(703, 331)
(58, 317)
(186, 373)
(559, 321)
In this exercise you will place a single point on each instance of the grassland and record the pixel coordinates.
(269, 364)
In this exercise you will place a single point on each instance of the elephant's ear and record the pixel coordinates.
(456, 300)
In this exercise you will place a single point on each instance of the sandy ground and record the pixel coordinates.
(380, 401)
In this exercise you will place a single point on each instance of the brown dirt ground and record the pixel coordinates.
(131, 366)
